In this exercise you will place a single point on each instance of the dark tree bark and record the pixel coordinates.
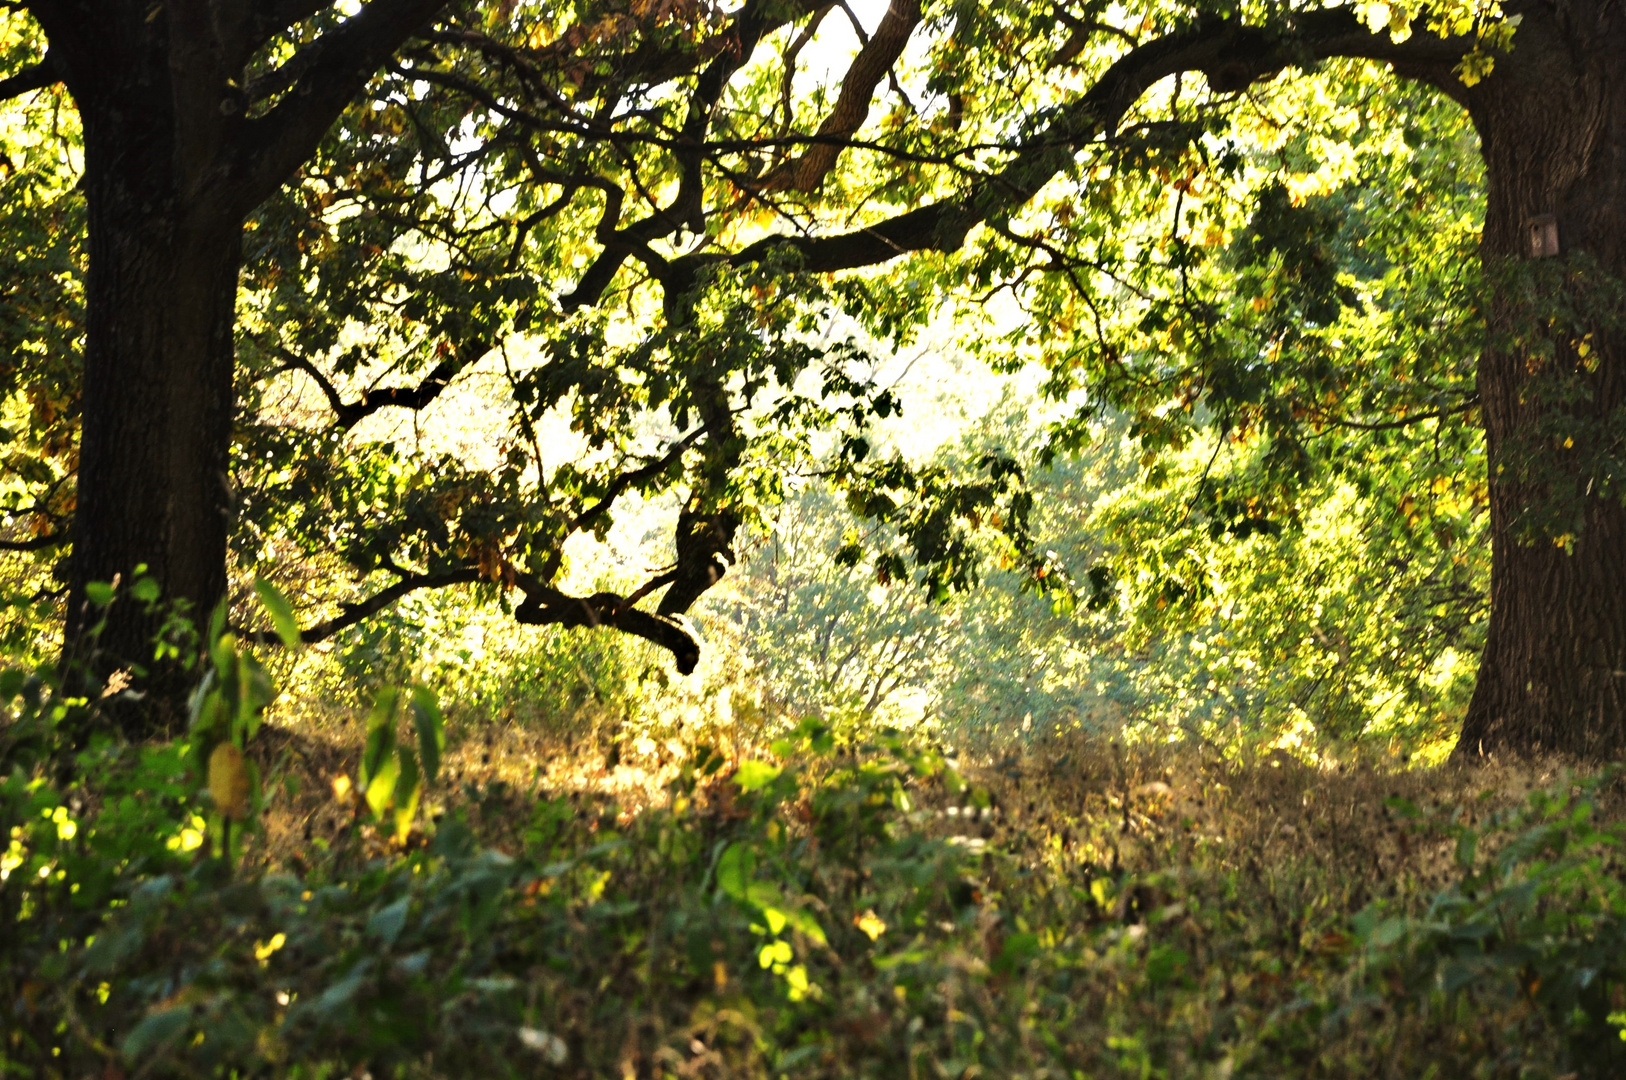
(173, 167)
(1552, 123)
(153, 487)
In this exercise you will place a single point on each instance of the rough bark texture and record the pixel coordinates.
(153, 486)
(157, 398)
(173, 166)
(1552, 122)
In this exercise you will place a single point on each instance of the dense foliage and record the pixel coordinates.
(824, 906)
(508, 292)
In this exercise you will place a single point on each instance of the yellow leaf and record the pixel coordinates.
(228, 781)
(263, 951)
(871, 924)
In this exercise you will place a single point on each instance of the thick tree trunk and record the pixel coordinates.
(153, 486)
(1552, 384)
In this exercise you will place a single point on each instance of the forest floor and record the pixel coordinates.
(1102, 910)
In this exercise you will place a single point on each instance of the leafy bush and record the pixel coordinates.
(1538, 914)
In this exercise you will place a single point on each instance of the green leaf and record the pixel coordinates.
(223, 654)
(254, 693)
(342, 992)
(1467, 848)
(100, 593)
(753, 775)
(1018, 950)
(407, 792)
(381, 784)
(735, 869)
(383, 710)
(155, 1030)
(1163, 964)
(217, 623)
(380, 734)
(802, 921)
(281, 612)
(775, 919)
(385, 924)
(431, 727)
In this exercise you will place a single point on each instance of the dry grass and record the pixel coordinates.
(1249, 869)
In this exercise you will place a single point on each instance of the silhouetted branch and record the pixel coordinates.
(35, 543)
(547, 606)
(29, 79)
(851, 109)
(349, 414)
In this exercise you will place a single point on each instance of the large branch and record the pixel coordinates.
(754, 21)
(634, 478)
(543, 606)
(350, 614)
(547, 606)
(268, 18)
(1232, 56)
(869, 67)
(338, 66)
(29, 79)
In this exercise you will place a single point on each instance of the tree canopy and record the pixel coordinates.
(627, 231)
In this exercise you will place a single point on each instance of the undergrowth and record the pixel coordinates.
(824, 906)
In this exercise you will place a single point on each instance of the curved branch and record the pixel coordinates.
(641, 475)
(351, 614)
(869, 67)
(38, 77)
(1403, 422)
(755, 20)
(547, 606)
(1230, 54)
(351, 413)
(337, 65)
(35, 543)
(543, 606)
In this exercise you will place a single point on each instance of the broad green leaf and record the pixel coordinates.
(735, 869)
(99, 593)
(281, 612)
(380, 792)
(380, 734)
(775, 952)
(217, 622)
(223, 654)
(431, 727)
(385, 924)
(804, 923)
(408, 789)
(753, 775)
(383, 710)
(774, 918)
(254, 693)
(154, 1030)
